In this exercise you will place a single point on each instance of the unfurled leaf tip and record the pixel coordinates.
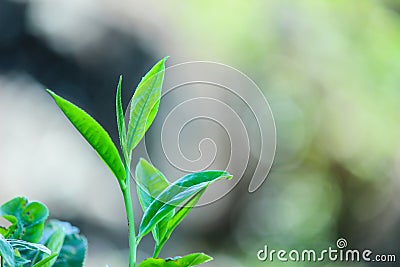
(50, 92)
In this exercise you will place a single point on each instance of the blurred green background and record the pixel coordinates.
(329, 69)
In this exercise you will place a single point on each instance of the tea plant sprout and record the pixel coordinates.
(164, 204)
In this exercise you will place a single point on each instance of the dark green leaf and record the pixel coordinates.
(73, 252)
(27, 218)
(20, 261)
(95, 134)
(144, 104)
(24, 245)
(64, 239)
(6, 251)
(186, 261)
(176, 193)
(120, 117)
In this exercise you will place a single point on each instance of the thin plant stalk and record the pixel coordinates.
(157, 250)
(126, 191)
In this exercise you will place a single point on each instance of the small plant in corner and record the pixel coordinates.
(164, 204)
(31, 241)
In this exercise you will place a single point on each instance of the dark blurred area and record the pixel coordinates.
(88, 77)
(329, 69)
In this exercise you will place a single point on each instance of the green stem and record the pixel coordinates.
(157, 250)
(131, 218)
(158, 247)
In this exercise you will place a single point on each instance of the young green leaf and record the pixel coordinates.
(172, 223)
(27, 218)
(120, 118)
(33, 233)
(161, 230)
(158, 210)
(182, 212)
(185, 261)
(194, 259)
(13, 206)
(176, 193)
(95, 134)
(3, 231)
(6, 252)
(144, 104)
(150, 182)
(34, 213)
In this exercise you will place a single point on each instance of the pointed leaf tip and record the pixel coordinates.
(121, 118)
(94, 133)
(144, 104)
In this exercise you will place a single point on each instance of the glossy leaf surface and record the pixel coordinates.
(176, 193)
(185, 261)
(120, 117)
(150, 182)
(95, 134)
(27, 219)
(181, 214)
(144, 104)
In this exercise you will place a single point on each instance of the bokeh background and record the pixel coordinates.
(329, 69)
